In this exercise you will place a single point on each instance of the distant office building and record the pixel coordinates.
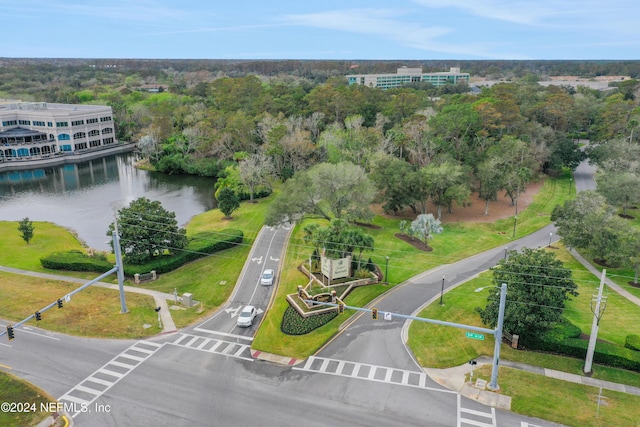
(37, 129)
(406, 75)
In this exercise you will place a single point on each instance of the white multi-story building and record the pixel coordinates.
(40, 129)
(406, 75)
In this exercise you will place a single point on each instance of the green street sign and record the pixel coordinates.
(475, 336)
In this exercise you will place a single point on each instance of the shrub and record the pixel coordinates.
(294, 324)
(199, 245)
(75, 260)
(632, 342)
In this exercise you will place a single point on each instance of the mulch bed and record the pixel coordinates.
(418, 244)
(367, 225)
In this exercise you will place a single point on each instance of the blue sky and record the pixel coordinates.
(327, 29)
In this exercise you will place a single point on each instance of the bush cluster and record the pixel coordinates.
(632, 342)
(294, 324)
(199, 245)
(564, 339)
(75, 260)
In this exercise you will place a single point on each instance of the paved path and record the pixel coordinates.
(160, 298)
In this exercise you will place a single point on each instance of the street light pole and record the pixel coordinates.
(550, 235)
(493, 385)
(442, 291)
(515, 221)
(386, 271)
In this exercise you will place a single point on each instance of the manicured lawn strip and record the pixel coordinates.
(15, 390)
(202, 278)
(442, 347)
(47, 238)
(564, 402)
(458, 241)
(94, 312)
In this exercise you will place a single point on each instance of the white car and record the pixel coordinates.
(245, 319)
(267, 277)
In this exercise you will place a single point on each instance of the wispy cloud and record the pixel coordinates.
(519, 12)
(391, 25)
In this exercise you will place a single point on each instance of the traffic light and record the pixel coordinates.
(59, 303)
(10, 332)
(374, 313)
(340, 308)
(38, 316)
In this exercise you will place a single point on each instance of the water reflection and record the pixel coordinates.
(85, 196)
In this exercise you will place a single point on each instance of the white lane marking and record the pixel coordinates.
(81, 387)
(322, 364)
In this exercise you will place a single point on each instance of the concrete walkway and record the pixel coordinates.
(160, 298)
(619, 289)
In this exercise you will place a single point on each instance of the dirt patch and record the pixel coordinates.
(635, 285)
(499, 209)
(418, 244)
(367, 225)
(626, 216)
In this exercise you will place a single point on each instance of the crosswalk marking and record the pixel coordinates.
(212, 345)
(367, 372)
(85, 386)
(464, 413)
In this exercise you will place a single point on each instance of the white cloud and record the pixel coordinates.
(389, 24)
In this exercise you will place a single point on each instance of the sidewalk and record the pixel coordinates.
(454, 379)
(160, 298)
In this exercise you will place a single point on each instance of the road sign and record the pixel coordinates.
(475, 336)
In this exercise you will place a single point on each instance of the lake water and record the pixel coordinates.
(84, 197)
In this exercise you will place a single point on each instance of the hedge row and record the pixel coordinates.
(199, 245)
(294, 324)
(563, 339)
(632, 342)
(75, 260)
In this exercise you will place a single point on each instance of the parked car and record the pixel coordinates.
(248, 313)
(267, 277)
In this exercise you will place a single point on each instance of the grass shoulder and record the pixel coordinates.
(13, 390)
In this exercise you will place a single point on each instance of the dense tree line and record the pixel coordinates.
(415, 143)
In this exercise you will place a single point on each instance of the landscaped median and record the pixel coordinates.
(458, 241)
(441, 347)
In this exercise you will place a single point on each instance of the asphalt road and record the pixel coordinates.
(206, 376)
(266, 252)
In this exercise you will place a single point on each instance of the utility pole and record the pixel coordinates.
(120, 272)
(493, 385)
(598, 311)
(442, 291)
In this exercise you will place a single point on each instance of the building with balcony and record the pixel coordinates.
(40, 129)
(406, 75)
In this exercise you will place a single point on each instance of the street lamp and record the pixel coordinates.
(386, 271)
(550, 235)
(493, 384)
(515, 221)
(442, 291)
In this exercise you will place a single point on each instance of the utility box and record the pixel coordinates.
(187, 299)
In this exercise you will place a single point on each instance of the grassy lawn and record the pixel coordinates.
(563, 402)
(94, 312)
(535, 395)
(458, 241)
(15, 390)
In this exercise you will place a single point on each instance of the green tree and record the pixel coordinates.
(589, 222)
(445, 183)
(325, 190)
(25, 227)
(538, 286)
(146, 230)
(619, 188)
(228, 201)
